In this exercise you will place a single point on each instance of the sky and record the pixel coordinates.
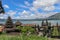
(30, 9)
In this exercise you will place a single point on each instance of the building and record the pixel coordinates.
(46, 28)
(9, 26)
(18, 23)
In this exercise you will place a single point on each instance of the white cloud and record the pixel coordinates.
(50, 8)
(44, 4)
(28, 15)
(24, 13)
(33, 9)
(3, 16)
(44, 15)
(39, 3)
(27, 3)
(11, 13)
(6, 6)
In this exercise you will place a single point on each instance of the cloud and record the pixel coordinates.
(25, 12)
(40, 3)
(21, 15)
(43, 15)
(3, 16)
(28, 15)
(44, 4)
(47, 6)
(33, 9)
(50, 8)
(27, 3)
(6, 6)
(25, 15)
(9, 13)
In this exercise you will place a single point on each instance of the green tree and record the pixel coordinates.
(30, 29)
(55, 32)
(25, 29)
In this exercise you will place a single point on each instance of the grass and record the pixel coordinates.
(22, 37)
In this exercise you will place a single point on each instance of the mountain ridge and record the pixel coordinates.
(54, 17)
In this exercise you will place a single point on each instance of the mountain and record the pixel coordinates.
(54, 17)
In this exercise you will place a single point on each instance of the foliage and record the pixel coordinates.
(55, 32)
(25, 29)
(22, 37)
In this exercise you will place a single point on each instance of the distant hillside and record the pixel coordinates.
(55, 17)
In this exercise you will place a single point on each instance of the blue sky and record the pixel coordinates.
(30, 9)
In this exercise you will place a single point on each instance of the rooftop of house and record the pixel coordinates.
(28, 24)
(18, 23)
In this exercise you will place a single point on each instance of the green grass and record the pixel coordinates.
(22, 37)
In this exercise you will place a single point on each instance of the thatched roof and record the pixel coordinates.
(18, 23)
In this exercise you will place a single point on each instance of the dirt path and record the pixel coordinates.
(53, 39)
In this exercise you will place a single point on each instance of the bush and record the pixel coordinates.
(55, 32)
(25, 29)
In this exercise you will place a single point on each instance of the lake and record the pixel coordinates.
(53, 22)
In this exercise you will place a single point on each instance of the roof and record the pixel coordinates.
(18, 23)
(10, 29)
(28, 25)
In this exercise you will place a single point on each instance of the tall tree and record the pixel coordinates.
(9, 23)
(55, 32)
